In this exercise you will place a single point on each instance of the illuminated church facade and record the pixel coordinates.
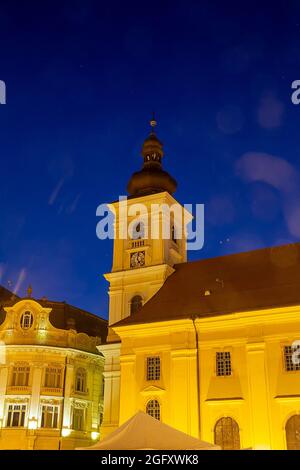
(205, 346)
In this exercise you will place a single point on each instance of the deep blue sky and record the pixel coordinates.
(82, 79)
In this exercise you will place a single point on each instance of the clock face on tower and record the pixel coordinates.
(137, 259)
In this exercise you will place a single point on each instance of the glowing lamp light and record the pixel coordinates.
(94, 435)
(32, 424)
(65, 432)
(262, 447)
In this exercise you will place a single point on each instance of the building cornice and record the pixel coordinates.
(51, 349)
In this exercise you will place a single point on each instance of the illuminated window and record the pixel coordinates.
(289, 356)
(292, 430)
(20, 376)
(78, 419)
(153, 409)
(135, 304)
(26, 320)
(50, 416)
(53, 377)
(80, 380)
(153, 368)
(223, 363)
(227, 434)
(16, 415)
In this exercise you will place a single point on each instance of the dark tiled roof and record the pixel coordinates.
(257, 279)
(64, 315)
(6, 298)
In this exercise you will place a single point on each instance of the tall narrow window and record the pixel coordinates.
(223, 363)
(173, 234)
(135, 304)
(80, 380)
(292, 431)
(78, 419)
(53, 377)
(227, 434)
(153, 409)
(16, 415)
(20, 376)
(289, 355)
(26, 320)
(50, 416)
(153, 368)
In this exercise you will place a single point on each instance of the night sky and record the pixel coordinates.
(82, 80)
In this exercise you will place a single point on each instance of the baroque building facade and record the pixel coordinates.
(208, 346)
(51, 385)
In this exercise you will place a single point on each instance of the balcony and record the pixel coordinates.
(18, 389)
(52, 391)
(81, 393)
(138, 244)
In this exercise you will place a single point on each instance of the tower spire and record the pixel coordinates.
(151, 178)
(29, 291)
(153, 123)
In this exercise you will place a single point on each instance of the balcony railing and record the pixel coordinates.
(22, 389)
(82, 393)
(137, 243)
(51, 391)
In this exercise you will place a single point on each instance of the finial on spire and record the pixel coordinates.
(29, 291)
(153, 123)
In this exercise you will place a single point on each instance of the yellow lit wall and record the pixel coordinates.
(260, 395)
(39, 347)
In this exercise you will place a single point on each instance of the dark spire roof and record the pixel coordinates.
(151, 178)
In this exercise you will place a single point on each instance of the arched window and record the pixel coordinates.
(138, 231)
(80, 380)
(292, 431)
(153, 409)
(173, 234)
(26, 320)
(135, 304)
(227, 434)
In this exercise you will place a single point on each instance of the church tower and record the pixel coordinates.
(149, 238)
(149, 234)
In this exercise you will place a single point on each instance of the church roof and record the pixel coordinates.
(259, 279)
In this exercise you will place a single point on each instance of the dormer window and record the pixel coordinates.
(26, 320)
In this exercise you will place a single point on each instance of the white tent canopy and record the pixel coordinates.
(143, 432)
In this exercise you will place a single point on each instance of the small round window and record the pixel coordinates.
(26, 320)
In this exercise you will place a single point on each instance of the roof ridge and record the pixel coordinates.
(240, 253)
